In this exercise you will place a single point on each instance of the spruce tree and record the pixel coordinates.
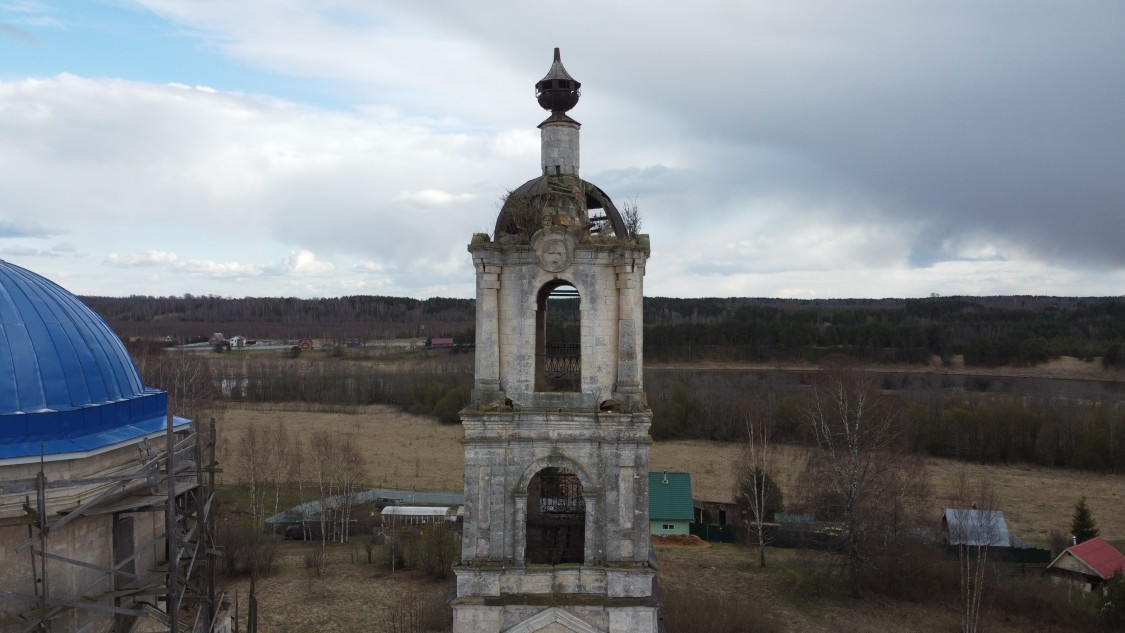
(1082, 526)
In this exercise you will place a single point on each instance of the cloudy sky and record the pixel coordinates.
(780, 148)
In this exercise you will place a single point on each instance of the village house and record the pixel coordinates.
(1087, 565)
(670, 508)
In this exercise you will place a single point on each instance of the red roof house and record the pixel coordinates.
(1089, 564)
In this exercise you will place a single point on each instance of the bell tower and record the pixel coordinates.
(556, 438)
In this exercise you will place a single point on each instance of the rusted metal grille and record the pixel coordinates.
(562, 367)
(560, 494)
(556, 525)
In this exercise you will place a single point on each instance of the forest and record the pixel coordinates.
(986, 331)
(1076, 424)
(990, 419)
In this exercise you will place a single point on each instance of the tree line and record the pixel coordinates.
(987, 331)
(918, 330)
(1056, 424)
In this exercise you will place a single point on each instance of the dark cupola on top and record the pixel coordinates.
(558, 91)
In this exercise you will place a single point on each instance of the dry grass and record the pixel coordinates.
(403, 451)
(413, 451)
(410, 451)
(351, 596)
(729, 573)
(354, 597)
(1034, 499)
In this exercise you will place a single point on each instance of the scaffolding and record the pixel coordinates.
(178, 594)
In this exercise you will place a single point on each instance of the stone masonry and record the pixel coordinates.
(519, 433)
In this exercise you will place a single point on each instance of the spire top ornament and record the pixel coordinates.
(557, 91)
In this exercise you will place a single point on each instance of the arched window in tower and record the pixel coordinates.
(558, 335)
(556, 518)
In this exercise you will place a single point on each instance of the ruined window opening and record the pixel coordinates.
(556, 518)
(558, 351)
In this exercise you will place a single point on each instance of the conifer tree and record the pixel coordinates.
(1082, 526)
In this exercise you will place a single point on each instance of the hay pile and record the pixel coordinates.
(677, 540)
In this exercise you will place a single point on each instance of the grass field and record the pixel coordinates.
(409, 451)
(415, 452)
(352, 596)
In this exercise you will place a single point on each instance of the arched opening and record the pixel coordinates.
(558, 336)
(556, 518)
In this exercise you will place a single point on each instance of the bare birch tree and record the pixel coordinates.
(280, 468)
(352, 472)
(252, 451)
(322, 461)
(339, 470)
(973, 527)
(754, 488)
(854, 429)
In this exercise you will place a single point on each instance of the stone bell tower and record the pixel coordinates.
(556, 437)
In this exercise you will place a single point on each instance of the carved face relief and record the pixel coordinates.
(554, 254)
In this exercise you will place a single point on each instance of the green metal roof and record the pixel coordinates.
(669, 496)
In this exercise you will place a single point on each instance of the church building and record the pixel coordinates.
(556, 528)
(87, 495)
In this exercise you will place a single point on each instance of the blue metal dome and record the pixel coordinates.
(67, 384)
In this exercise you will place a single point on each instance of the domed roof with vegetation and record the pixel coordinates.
(549, 200)
(562, 199)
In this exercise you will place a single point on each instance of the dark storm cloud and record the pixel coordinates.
(1001, 121)
(975, 129)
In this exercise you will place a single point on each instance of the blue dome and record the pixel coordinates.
(67, 384)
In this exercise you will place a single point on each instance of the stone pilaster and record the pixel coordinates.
(487, 353)
(630, 269)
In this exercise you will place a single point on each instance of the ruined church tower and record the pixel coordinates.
(556, 531)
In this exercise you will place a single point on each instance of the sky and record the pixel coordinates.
(774, 148)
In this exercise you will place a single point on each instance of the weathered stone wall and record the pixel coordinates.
(600, 433)
(609, 283)
(609, 454)
(88, 539)
(559, 148)
(568, 619)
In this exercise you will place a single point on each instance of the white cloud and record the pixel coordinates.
(146, 258)
(434, 198)
(220, 269)
(306, 263)
(369, 267)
